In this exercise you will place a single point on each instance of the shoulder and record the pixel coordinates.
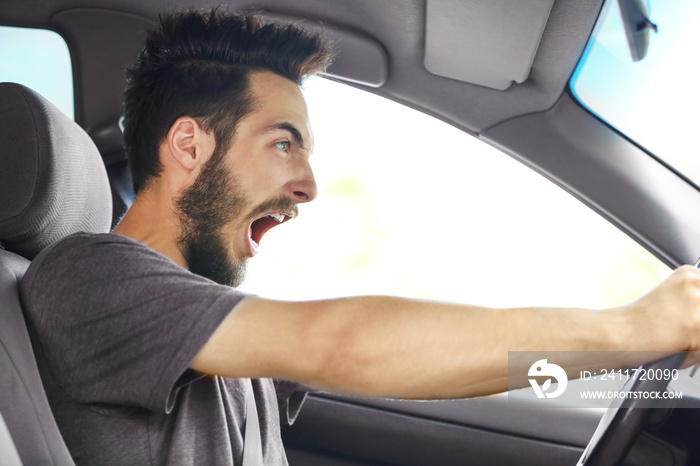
(86, 259)
(84, 246)
(75, 252)
(91, 285)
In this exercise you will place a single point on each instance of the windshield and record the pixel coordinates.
(653, 100)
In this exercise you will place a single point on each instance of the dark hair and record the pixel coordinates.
(197, 64)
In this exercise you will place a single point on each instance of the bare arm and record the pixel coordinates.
(394, 347)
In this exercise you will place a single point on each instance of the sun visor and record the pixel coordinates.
(359, 58)
(491, 43)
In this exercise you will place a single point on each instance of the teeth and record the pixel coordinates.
(255, 245)
(278, 217)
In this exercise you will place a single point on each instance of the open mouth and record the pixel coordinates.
(258, 228)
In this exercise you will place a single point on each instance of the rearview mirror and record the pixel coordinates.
(635, 19)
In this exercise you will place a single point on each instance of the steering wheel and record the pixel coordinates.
(622, 422)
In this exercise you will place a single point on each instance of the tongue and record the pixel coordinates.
(260, 227)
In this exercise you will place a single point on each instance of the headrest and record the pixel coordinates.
(52, 179)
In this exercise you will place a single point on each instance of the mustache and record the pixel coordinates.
(284, 204)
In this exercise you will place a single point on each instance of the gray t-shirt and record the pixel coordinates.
(115, 326)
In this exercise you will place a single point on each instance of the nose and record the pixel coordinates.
(304, 187)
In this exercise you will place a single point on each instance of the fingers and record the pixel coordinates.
(687, 303)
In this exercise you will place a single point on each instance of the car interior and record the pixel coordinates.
(497, 70)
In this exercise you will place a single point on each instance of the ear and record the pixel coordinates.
(188, 145)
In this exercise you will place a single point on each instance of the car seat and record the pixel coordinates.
(52, 183)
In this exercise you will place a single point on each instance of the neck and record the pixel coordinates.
(152, 221)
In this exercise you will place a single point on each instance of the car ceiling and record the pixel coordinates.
(525, 120)
(398, 26)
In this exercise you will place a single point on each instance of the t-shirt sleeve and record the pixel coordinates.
(119, 323)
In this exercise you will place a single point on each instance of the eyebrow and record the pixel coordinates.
(289, 127)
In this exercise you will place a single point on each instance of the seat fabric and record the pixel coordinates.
(52, 183)
(23, 403)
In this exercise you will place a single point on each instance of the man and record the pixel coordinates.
(152, 367)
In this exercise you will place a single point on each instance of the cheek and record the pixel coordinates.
(266, 179)
(261, 171)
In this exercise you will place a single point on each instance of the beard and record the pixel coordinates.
(211, 204)
(204, 209)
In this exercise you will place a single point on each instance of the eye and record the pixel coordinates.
(283, 145)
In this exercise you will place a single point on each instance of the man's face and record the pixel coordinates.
(253, 187)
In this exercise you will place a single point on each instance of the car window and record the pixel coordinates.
(642, 82)
(409, 205)
(38, 59)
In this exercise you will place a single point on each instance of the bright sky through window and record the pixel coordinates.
(653, 101)
(38, 59)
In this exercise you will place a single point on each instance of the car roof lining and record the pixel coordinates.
(468, 106)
